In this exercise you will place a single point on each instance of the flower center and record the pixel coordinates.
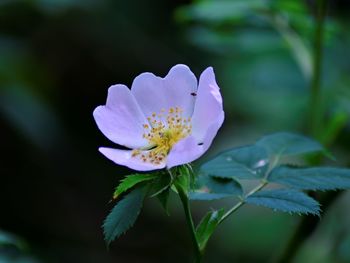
(163, 132)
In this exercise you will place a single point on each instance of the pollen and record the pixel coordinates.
(163, 131)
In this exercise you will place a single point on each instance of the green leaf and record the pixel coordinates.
(249, 162)
(299, 49)
(218, 185)
(219, 11)
(123, 215)
(290, 6)
(315, 178)
(286, 200)
(284, 143)
(9, 239)
(163, 198)
(160, 184)
(207, 226)
(130, 181)
(211, 188)
(203, 196)
(184, 182)
(188, 170)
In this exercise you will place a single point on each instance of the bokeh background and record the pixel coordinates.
(57, 59)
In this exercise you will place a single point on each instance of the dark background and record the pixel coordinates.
(57, 60)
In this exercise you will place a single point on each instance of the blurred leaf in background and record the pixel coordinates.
(264, 55)
(265, 52)
(14, 250)
(57, 60)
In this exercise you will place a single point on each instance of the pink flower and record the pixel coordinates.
(164, 122)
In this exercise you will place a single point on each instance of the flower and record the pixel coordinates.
(164, 122)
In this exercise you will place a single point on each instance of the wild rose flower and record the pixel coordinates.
(164, 122)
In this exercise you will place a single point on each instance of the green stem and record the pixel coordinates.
(262, 184)
(242, 202)
(309, 224)
(186, 206)
(296, 44)
(315, 85)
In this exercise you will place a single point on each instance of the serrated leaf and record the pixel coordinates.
(130, 181)
(203, 196)
(163, 198)
(284, 143)
(207, 226)
(160, 184)
(315, 178)
(211, 188)
(248, 162)
(218, 185)
(123, 215)
(285, 200)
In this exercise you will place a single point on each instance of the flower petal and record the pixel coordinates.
(212, 131)
(188, 150)
(124, 157)
(208, 105)
(185, 151)
(121, 119)
(175, 90)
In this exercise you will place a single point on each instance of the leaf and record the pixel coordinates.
(160, 184)
(203, 196)
(184, 182)
(207, 226)
(284, 143)
(218, 185)
(248, 162)
(315, 178)
(219, 11)
(211, 188)
(286, 200)
(123, 215)
(9, 239)
(187, 170)
(296, 44)
(163, 198)
(130, 181)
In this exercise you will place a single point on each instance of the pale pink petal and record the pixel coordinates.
(121, 119)
(185, 151)
(125, 158)
(177, 89)
(188, 149)
(212, 131)
(208, 105)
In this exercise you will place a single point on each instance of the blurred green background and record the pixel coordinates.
(57, 59)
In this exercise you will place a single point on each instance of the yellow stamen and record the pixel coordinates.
(164, 134)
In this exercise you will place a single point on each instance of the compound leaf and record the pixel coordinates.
(123, 215)
(284, 143)
(130, 181)
(315, 178)
(248, 162)
(286, 200)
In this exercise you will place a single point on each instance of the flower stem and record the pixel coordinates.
(315, 85)
(242, 202)
(186, 206)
